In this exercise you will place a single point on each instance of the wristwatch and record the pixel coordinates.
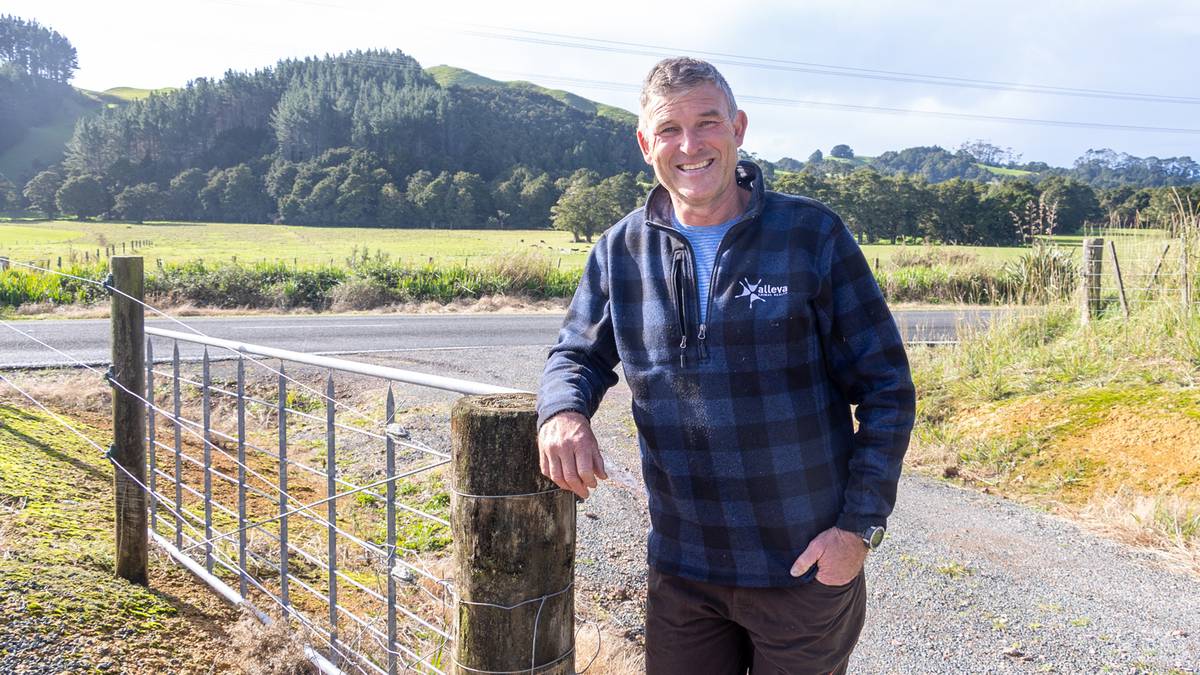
(873, 536)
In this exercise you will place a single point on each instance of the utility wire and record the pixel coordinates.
(803, 103)
(787, 65)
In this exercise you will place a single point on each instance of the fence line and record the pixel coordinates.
(364, 646)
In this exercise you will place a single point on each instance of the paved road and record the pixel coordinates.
(88, 339)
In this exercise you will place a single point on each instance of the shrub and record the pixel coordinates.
(1045, 273)
(360, 293)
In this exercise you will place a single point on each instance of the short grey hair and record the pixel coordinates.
(681, 73)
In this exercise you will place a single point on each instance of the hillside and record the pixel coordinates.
(44, 143)
(448, 76)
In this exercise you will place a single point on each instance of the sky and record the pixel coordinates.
(788, 61)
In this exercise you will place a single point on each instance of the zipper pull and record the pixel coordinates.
(682, 350)
(703, 331)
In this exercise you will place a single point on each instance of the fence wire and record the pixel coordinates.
(384, 609)
(1141, 267)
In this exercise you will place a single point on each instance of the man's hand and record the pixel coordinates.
(569, 454)
(839, 556)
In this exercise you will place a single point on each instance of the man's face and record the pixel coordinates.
(690, 140)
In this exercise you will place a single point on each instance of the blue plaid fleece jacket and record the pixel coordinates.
(744, 422)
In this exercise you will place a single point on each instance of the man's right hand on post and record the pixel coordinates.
(569, 454)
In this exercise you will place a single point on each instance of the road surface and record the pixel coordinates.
(88, 339)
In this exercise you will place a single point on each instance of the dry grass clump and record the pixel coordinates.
(8, 507)
(1164, 524)
(525, 269)
(603, 653)
(931, 256)
(360, 294)
(66, 389)
(277, 649)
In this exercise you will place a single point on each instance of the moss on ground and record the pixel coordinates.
(60, 604)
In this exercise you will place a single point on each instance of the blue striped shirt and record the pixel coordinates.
(704, 240)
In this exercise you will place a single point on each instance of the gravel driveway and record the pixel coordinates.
(966, 582)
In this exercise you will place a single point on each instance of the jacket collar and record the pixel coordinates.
(658, 209)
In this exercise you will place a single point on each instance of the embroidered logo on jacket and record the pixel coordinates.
(759, 291)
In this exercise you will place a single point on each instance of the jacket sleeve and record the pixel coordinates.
(866, 359)
(581, 366)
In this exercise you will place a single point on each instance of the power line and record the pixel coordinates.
(791, 102)
(765, 63)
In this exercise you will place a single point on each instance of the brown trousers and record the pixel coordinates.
(694, 628)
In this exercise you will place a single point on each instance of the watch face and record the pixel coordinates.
(874, 537)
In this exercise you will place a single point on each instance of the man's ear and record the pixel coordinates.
(644, 146)
(739, 127)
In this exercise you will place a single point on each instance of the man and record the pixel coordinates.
(748, 324)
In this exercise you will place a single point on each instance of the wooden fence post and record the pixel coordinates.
(129, 419)
(1093, 265)
(3, 263)
(514, 543)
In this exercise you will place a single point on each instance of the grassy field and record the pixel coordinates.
(1002, 171)
(214, 242)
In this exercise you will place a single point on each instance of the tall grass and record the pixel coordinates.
(366, 282)
(1044, 274)
(1017, 408)
(19, 285)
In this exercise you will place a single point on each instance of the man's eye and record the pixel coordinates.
(667, 130)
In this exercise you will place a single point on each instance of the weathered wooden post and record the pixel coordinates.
(3, 263)
(1093, 265)
(129, 418)
(514, 543)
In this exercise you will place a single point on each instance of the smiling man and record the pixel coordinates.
(748, 324)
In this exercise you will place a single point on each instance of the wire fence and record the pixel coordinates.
(233, 498)
(1139, 267)
(295, 496)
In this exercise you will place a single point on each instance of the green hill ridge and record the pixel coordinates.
(448, 76)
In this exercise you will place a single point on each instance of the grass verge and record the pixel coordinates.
(61, 608)
(1099, 421)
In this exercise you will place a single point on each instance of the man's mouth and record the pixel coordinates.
(698, 166)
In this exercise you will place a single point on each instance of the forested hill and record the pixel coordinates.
(982, 161)
(379, 101)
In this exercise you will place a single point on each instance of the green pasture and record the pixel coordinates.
(218, 242)
(983, 254)
(308, 246)
(1003, 171)
(213, 242)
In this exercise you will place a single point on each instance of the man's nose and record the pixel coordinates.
(690, 141)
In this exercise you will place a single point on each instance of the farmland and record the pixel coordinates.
(282, 266)
(306, 246)
(182, 242)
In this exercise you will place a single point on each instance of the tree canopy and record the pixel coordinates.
(36, 50)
